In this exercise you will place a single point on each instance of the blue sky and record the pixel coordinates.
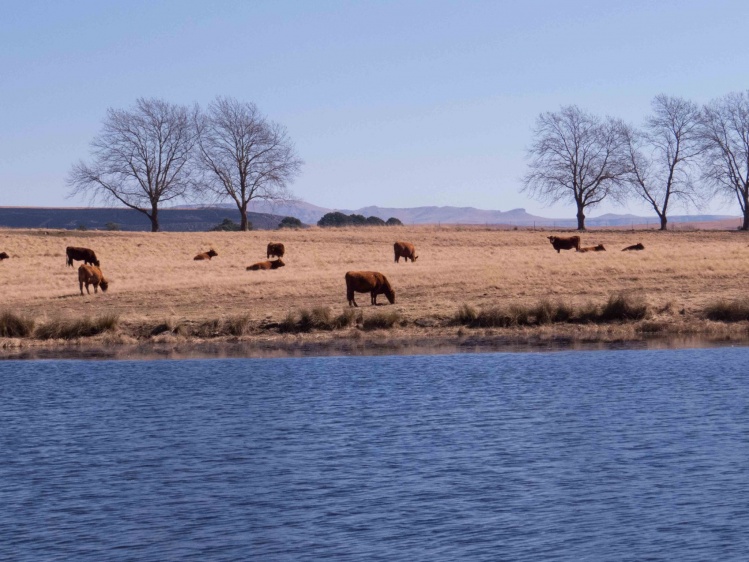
(389, 103)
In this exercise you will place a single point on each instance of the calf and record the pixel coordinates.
(598, 248)
(3, 256)
(275, 249)
(91, 275)
(637, 246)
(85, 255)
(404, 250)
(206, 255)
(270, 264)
(372, 282)
(565, 243)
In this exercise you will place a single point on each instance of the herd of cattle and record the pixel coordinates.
(570, 242)
(372, 282)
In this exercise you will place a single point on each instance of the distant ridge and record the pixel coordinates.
(265, 216)
(176, 220)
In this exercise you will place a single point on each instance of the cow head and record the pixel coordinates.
(277, 263)
(212, 253)
(390, 294)
(104, 284)
(552, 238)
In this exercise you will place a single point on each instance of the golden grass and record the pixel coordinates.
(153, 276)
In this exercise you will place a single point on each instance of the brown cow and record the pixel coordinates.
(275, 249)
(4, 256)
(206, 255)
(565, 243)
(637, 246)
(270, 264)
(404, 250)
(598, 248)
(91, 275)
(371, 282)
(81, 254)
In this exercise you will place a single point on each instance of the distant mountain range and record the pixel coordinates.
(267, 216)
(310, 214)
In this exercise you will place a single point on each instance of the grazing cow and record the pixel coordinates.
(270, 264)
(206, 255)
(404, 250)
(85, 255)
(637, 246)
(565, 243)
(91, 275)
(598, 248)
(275, 249)
(4, 256)
(371, 282)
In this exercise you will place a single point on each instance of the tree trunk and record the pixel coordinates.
(154, 218)
(664, 222)
(580, 219)
(745, 226)
(243, 218)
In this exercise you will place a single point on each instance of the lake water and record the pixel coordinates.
(615, 455)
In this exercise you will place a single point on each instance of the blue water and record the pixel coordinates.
(616, 455)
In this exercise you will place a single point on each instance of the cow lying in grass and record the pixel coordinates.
(565, 243)
(206, 255)
(372, 282)
(275, 249)
(4, 256)
(637, 246)
(404, 250)
(85, 255)
(598, 248)
(91, 275)
(270, 264)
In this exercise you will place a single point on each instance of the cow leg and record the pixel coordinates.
(374, 298)
(96, 288)
(81, 284)
(350, 297)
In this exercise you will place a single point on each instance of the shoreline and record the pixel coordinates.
(120, 345)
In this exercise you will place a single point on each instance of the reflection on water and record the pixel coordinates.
(353, 346)
(616, 455)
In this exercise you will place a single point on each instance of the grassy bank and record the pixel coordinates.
(468, 282)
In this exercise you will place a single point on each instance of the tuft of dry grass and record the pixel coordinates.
(381, 320)
(15, 326)
(319, 318)
(728, 311)
(68, 329)
(619, 308)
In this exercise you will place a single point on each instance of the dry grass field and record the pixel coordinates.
(153, 278)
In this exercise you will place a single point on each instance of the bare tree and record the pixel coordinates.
(243, 155)
(576, 156)
(725, 138)
(140, 159)
(661, 156)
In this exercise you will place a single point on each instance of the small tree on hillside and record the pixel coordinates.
(576, 156)
(375, 221)
(335, 218)
(290, 222)
(140, 159)
(243, 155)
(392, 221)
(661, 155)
